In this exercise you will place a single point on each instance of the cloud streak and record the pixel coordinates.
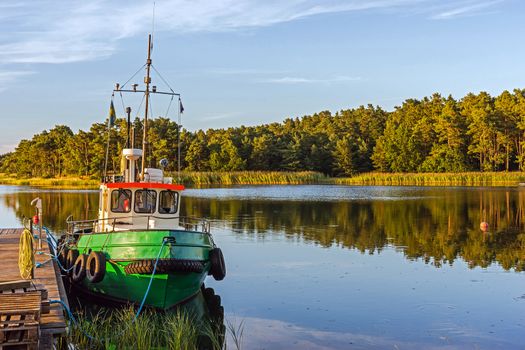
(466, 10)
(8, 77)
(50, 31)
(298, 80)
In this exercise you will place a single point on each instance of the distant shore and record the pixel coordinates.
(61, 182)
(196, 179)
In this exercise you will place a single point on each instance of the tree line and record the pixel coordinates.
(435, 134)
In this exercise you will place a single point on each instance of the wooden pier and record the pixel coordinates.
(26, 303)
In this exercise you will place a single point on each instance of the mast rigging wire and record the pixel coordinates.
(169, 106)
(162, 78)
(133, 76)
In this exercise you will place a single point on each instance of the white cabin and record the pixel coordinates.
(152, 203)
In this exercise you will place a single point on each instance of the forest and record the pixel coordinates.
(478, 132)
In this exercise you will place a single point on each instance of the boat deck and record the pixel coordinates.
(46, 277)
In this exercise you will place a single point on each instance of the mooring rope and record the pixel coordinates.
(101, 340)
(50, 237)
(26, 257)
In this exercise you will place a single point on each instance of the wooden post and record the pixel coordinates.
(32, 248)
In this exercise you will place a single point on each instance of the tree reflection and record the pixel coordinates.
(56, 206)
(438, 228)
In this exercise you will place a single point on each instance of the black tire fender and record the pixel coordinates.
(79, 271)
(71, 258)
(218, 267)
(145, 267)
(62, 256)
(96, 267)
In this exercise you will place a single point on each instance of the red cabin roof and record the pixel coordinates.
(152, 185)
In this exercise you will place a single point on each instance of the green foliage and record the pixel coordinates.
(434, 134)
(250, 178)
(435, 179)
(151, 330)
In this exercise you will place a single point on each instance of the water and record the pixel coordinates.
(342, 267)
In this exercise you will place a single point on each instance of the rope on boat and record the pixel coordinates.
(102, 340)
(54, 242)
(26, 257)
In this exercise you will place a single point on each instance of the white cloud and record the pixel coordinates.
(57, 32)
(241, 71)
(466, 9)
(277, 334)
(220, 116)
(7, 147)
(299, 80)
(51, 31)
(10, 76)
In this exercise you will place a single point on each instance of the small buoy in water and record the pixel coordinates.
(484, 226)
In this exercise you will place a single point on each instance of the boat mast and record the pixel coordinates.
(147, 81)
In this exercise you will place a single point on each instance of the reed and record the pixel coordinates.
(236, 333)
(63, 182)
(197, 179)
(151, 330)
(249, 178)
(435, 179)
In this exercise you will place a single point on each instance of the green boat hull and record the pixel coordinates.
(125, 247)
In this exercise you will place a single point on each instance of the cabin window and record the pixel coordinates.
(168, 202)
(121, 201)
(145, 201)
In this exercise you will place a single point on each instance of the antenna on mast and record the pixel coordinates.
(153, 20)
(152, 25)
(147, 81)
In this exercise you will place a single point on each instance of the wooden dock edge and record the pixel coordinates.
(48, 279)
(60, 283)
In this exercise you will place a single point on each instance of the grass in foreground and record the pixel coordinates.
(151, 330)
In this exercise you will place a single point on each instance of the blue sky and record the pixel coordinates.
(248, 62)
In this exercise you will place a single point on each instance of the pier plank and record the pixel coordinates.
(47, 276)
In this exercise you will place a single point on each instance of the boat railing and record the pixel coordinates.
(89, 226)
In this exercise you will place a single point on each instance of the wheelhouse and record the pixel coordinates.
(125, 206)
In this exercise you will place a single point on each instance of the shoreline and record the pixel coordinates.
(196, 179)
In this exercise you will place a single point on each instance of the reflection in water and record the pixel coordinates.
(56, 205)
(305, 273)
(438, 225)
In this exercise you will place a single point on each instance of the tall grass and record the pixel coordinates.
(435, 179)
(249, 178)
(236, 333)
(64, 182)
(151, 330)
(197, 179)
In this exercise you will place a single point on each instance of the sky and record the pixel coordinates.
(248, 62)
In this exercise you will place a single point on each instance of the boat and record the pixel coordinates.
(139, 250)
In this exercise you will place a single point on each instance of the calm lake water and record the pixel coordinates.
(322, 267)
